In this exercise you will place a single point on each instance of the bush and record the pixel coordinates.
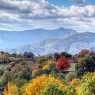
(85, 64)
(21, 72)
(42, 59)
(11, 89)
(87, 86)
(52, 89)
(70, 90)
(75, 83)
(40, 86)
(52, 70)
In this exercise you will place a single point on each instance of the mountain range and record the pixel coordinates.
(70, 41)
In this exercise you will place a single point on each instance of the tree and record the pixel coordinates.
(85, 64)
(4, 57)
(11, 89)
(18, 73)
(66, 54)
(29, 55)
(84, 52)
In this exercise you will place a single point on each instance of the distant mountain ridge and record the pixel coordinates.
(50, 41)
(73, 44)
(13, 39)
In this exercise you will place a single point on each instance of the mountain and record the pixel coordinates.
(42, 33)
(72, 44)
(80, 41)
(13, 39)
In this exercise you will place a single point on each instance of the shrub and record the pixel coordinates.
(70, 90)
(87, 86)
(52, 89)
(85, 64)
(75, 83)
(21, 72)
(40, 85)
(11, 89)
(52, 70)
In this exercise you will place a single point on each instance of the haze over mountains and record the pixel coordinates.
(51, 41)
(13, 39)
(72, 44)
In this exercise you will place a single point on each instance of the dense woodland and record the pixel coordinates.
(54, 74)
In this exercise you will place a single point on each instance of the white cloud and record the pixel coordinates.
(29, 14)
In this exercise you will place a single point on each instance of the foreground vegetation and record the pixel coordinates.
(27, 74)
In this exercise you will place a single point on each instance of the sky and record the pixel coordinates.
(22, 15)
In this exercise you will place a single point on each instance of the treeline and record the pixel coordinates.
(6, 57)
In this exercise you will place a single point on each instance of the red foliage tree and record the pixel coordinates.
(62, 64)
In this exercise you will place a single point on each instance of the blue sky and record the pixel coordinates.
(21, 15)
(69, 2)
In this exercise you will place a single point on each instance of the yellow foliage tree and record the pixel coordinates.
(11, 89)
(36, 86)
